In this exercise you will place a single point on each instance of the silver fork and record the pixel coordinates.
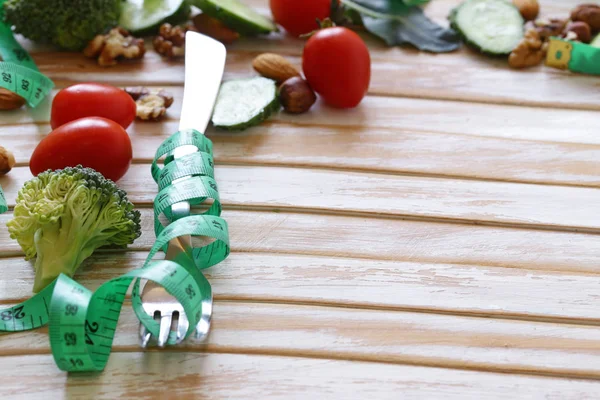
(204, 67)
(160, 304)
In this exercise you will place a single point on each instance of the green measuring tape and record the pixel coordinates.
(573, 56)
(18, 72)
(82, 324)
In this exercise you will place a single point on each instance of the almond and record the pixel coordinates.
(274, 66)
(10, 100)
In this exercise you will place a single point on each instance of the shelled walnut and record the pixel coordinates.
(547, 28)
(151, 105)
(529, 52)
(117, 44)
(170, 41)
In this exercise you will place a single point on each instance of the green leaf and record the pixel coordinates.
(397, 24)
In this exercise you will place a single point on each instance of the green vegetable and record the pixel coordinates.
(397, 23)
(596, 41)
(243, 103)
(68, 24)
(61, 217)
(144, 17)
(237, 16)
(491, 26)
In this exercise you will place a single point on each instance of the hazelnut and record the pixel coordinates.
(7, 161)
(10, 100)
(296, 95)
(581, 30)
(588, 13)
(529, 9)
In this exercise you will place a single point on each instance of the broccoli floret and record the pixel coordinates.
(61, 217)
(68, 24)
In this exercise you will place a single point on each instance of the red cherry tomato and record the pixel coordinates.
(300, 16)
(337, 65)
(93, 142)
(92, 100)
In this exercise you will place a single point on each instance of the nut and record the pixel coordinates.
(588, 13)
(547, 28)
(170, 41)
(274, 66)
(7, 161)
(580, 29)
(151, 104)
(529, 52)
(10, 100)
(529, 9)
(214, 28)
(117, 44)
(296, 95)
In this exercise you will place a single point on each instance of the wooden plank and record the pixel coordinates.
(402, 114)
(391, 239)
(430, 287)
(232, 376)
(375, 336)
(395, 72)
(462, 75)
(552, 207)
(392, 150)
(464, 289)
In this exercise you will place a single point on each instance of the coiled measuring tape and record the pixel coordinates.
(18, 72)
(82, 324)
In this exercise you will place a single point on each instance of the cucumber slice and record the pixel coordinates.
(243, 103)
(237, 16)
(144, 17)
(491, 26)
(596, 41)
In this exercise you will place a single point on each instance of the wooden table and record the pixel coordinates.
(440, 241)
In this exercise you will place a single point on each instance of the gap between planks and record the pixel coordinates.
(517, 354)
(367, 170)
(424, 280)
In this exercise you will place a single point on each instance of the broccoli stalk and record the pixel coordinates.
(68, 24)
(61, 217)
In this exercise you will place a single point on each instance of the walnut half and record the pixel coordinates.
(117, 44)
(170, 41)
(529, 52)
(151, 104)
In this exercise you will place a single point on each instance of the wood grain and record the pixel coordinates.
(427, 138)
(444, 229)
(345, 192)
(400, 115)
(232, 376)
(377, 336)
(391, 239)
(398, 285)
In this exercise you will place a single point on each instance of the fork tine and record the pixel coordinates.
(182, 327)
(165, 329)
(145, 335)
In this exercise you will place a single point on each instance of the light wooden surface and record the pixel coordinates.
(440, 241)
